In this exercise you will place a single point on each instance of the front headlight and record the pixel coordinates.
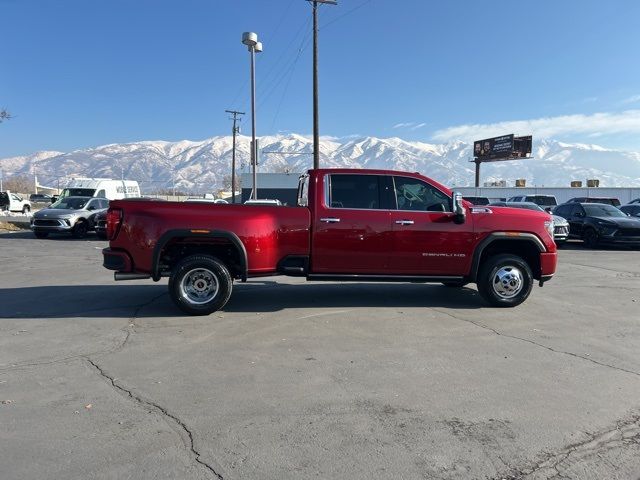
(549, 226)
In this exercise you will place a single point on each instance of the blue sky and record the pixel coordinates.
(78, 73)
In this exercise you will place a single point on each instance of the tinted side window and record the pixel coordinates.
(414, 194)
(354, 191)
(562, 210)
(577, 209)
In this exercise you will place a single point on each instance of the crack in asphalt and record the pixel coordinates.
(127, 330)
(532, 342)
(625, 432)
(148, 404)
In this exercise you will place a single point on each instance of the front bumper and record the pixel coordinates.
(51, 225)
(548, 264)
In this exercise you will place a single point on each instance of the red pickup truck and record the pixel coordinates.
(358, 225)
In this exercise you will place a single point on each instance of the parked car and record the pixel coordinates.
(635, 200)
(75, 215)
(100, 224)
(600, 223)
(348, 225)
(632, 209)
(606, 200)
(545, 201)
(477, 200)
(560, 225)
(39, 198)
(14, 202)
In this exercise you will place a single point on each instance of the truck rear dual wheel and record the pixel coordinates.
(200, 285)
(505, 280)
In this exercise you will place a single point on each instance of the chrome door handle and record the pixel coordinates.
(404, 222)
(330, 220)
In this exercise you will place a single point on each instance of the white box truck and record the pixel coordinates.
(101, 187)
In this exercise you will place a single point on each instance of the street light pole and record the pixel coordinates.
(250, 39)
(316, 121)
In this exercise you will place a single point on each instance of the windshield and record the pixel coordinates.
(77, 192)
(594, 210)
(70, 203)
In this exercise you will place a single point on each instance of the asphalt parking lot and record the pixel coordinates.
(299, 380)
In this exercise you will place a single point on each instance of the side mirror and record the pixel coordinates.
(460, 214)
(579, 214)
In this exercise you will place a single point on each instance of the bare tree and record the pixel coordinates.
(4, 115)
(19, 184)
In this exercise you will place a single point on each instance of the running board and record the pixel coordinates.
(130, 276)
(382, 278)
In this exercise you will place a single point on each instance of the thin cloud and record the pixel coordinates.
(416, 127)
(631, 99)
(596, 123)
(403, 125)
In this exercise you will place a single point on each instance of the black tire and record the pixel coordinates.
(41, 234)
(80, 229)
(590, 238)
(26, 209)
(459, 284)
(191, 285)
(505, 280)
(101, 235)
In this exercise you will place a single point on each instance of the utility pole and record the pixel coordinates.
(235, 130)
(316, 127)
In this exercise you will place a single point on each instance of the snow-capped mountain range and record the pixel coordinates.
(205, 166)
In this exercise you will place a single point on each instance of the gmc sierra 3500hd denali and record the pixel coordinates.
(359, 225)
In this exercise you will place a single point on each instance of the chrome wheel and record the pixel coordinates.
(507, 282)
(199, 286)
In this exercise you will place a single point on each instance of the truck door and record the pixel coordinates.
(351, 230)
(426, 240)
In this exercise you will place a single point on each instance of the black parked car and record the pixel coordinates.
(608, 200)
(100, 224)
(40, 198)
(633, 209)
(598, 223)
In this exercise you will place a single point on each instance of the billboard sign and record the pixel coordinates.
(496, 148)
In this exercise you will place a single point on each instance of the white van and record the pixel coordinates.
(101, 187)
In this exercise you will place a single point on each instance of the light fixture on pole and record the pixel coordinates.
(250, 39)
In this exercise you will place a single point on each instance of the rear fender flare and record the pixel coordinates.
(171, 234)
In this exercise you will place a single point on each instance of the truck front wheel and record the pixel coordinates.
(505, 280)
(200, 285)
